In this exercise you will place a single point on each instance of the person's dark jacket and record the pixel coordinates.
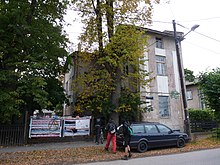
(126, 132)
(109, 128)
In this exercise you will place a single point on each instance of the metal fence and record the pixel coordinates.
(11, 135)
(203, 126)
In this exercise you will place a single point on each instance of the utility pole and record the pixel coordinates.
(182, 81)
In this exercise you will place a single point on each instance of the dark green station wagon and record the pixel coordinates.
(148, 135)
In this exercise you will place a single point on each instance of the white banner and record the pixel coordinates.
(48, 127)
(73, 127)
(51, 127)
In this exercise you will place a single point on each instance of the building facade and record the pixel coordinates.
(194, 96)
(163, 95)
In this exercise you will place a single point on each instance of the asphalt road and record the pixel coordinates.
(203, 157)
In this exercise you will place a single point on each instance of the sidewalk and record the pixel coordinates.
(49, 146)
(74, 143)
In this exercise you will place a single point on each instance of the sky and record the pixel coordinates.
(200, 49)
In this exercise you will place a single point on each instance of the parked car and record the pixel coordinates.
(148, 135)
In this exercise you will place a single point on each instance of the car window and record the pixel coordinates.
(137, 129)
(151, 129)
(163, 129)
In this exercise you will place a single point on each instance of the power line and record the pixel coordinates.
(200, 33)
(162, 22)
(203, 47)
(202, 19)
(207, 36)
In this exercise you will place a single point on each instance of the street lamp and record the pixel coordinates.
(181, 75)
(192, 29)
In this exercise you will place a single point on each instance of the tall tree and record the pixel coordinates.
(189, 76)
(32, 47)
(209, 83)
(115, 49)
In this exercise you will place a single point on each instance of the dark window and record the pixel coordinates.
(159, 43)
(138, 129)
(151, 129)
(164, 106)
(163, 129)
(189, 95)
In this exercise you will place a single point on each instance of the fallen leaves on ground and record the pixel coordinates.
(93, 154)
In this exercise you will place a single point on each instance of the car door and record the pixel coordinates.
(167, 137)
(152, 135)
(138, 134)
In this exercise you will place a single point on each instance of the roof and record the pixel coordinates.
(195, 82)
(163, 33)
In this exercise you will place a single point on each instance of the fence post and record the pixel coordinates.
(26, 124)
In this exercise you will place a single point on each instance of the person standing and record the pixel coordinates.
(111, 136)
(97, 130)
(127, 133)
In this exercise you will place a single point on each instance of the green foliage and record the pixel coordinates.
(99, 80)
(31, 48)
(116, 54)
(189, 75)
(129, 105)
(114, 13)
(209, 83)
(201, 115)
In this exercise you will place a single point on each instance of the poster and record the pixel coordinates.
(74, 127)
(45, 127)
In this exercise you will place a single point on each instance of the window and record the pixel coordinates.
(161, 65)
(151, 129)
(164, 106)
(159, 43)
(137, 129)
(163, 129)
(189, 95)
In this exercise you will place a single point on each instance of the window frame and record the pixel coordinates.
(151, 129)
(161, 130)
(159, 43)
(161, 65)
(189, 95)
(162, 110)
(137, 131)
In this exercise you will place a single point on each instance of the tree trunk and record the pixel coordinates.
(99, 27)
(32, 10)
(110, 17)
(116, 94)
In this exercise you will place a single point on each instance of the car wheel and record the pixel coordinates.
(142, 146)
(180, 142)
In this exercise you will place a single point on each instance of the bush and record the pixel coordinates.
(201, 115)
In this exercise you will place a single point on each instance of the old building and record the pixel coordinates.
(162, 95)
(194, 96)
(164, 91)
